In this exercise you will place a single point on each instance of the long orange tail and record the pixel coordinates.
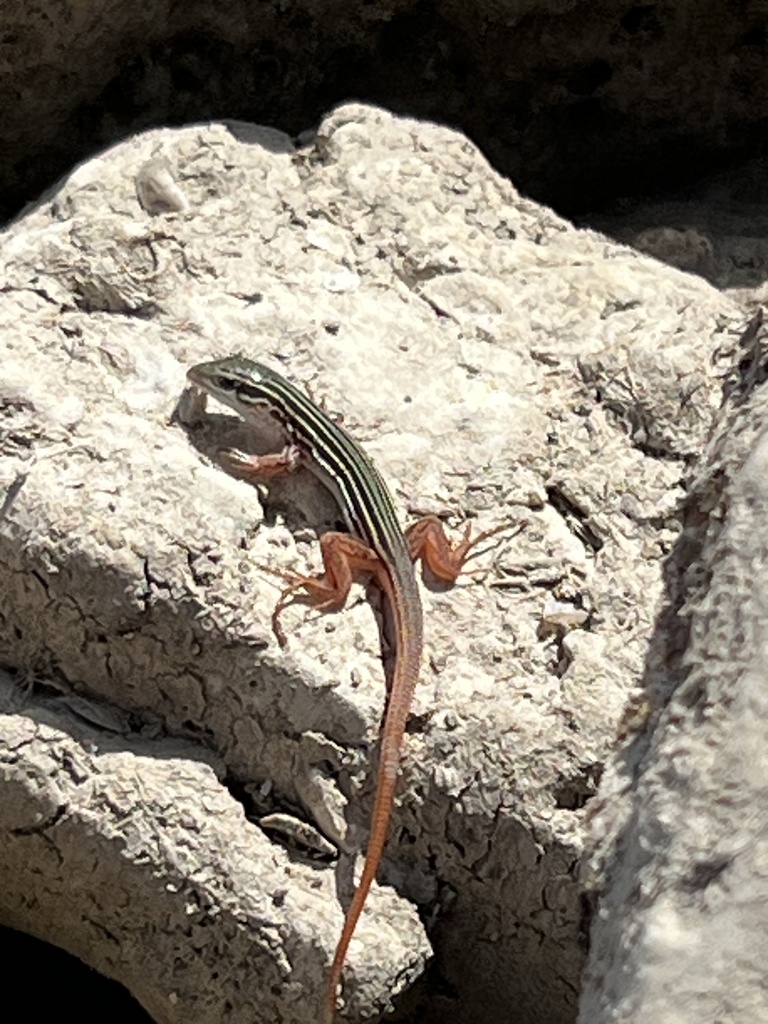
(407, 614)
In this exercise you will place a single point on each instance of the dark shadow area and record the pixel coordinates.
(576, 104)
(43, 983)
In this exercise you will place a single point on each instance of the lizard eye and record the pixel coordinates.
(224, 384)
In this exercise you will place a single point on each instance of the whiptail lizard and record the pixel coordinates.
(375, 546)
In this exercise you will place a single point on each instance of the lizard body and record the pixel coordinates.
(376, 545)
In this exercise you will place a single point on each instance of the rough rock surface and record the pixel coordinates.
(573, 101)
(498, 365)
(680, 837)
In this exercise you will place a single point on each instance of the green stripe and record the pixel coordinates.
(365, 498)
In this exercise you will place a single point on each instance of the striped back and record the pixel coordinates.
(333, 455)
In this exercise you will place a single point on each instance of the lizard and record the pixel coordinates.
(375, 546)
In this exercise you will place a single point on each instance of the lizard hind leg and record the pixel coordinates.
(446, 559)
(344, 556)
